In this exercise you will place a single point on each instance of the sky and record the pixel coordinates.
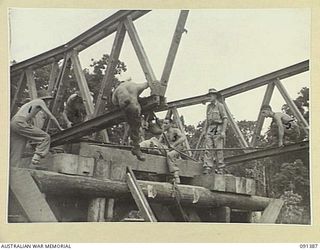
(222, 48)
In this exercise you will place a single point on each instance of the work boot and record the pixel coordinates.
(137, 152)
(176, 177)
(206, 171)
(221, 169)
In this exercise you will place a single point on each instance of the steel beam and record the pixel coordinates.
(99, 123)
(243, 87)
(20, 85)
(242, 141)
(82, 83)
(142, 56)
(266, 100)
(106, 84)
(180, 29)
(268, 152)
(81, 42)
(292, 106)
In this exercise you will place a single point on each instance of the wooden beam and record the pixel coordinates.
(266, 100)
(139, 197)
(271, 213)
(96, 208)
(50, 182)
(154, 163)
(292, 106)
(243, 143)
(29, 196)
(142, 57)
(106, 84)
(180, 29)
(177, 120)
(20, 85)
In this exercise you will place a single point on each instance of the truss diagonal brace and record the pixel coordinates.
(142, 57)
(260, 120)
(180, 29)
(17, 93)
(292, 105)
(106, 84)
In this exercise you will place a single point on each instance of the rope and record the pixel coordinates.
(177, 197)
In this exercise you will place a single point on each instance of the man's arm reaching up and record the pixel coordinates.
(51, 116)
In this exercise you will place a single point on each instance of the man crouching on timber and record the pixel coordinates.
(283, 125)
(175, 138)
(126, 96)
(22, 130)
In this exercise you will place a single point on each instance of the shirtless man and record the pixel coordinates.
(22, 130)
(126, 96)
(74, 111)
(176, 139)
(286, 125)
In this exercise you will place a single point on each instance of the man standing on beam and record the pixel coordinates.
(22, 130)
(125, 96)
(215, 131)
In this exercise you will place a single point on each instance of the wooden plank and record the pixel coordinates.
(230, 181)
(250, 186)
(270, 214)
(206, 181)
(180, 29)
(105, 87)
(142, 56)
(29, 196)
(156, 164)
(20, 85)
(70, 164)
(292, 106)
(139, 197)
(266, 100)
(219, 183)
(241, 185)
(243, 143)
